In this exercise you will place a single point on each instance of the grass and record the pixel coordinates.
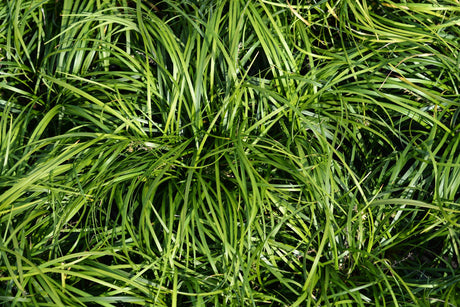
(264, 153)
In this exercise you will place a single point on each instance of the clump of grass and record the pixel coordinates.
(229, 152)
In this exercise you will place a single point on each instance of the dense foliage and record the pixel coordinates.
(263, 153)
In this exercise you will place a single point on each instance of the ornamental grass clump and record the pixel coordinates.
(242, 153)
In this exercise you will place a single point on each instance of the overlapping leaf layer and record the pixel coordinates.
(242, 153)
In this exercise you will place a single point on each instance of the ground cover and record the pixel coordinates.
(243, 153)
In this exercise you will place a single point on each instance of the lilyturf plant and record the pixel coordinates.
(235, 153)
